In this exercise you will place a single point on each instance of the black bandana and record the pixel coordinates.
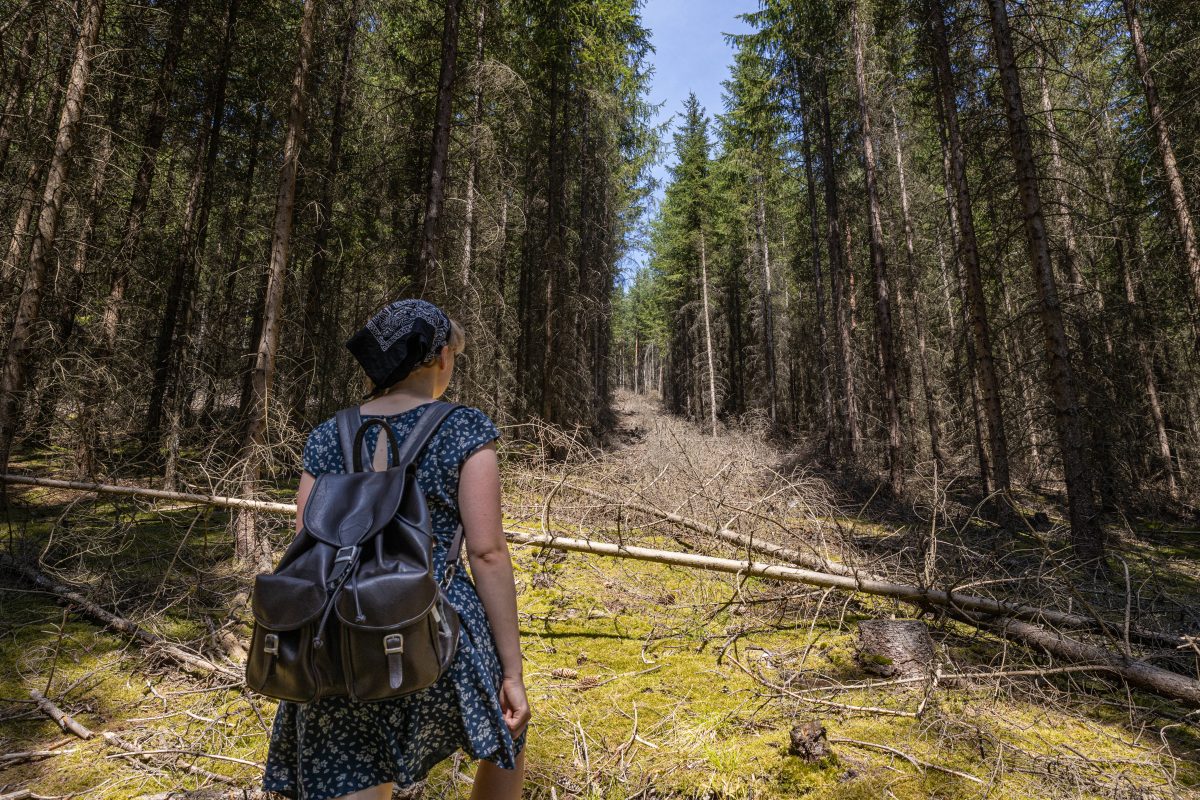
(400, 336)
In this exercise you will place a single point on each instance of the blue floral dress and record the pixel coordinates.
(335, 745)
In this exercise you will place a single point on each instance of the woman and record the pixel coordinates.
(336, 747)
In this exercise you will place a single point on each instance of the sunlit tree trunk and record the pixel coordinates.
(918, 312)
(156, 126)
(968, 257)
(883, 303)
(848, 403)
(1166, 151)
(432, 226)
(254, 434)
(1087, 535)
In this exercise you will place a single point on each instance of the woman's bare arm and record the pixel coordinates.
(306, 484)
(487, 552)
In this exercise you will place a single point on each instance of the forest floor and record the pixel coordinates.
(646, 680)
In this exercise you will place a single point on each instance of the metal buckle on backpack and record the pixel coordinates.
(393, 643)
(271, 644)
(346, 553)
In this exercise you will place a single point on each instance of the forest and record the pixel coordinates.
(881, 412)
(947, 240)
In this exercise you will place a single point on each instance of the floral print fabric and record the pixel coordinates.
(336, 745)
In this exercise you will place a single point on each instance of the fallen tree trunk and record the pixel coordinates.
(857, 579)
(1011, 618)
(821, 564)
(118, 623)
(1162, 682)
(158, 494)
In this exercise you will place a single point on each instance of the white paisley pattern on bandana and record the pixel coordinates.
(396, 320)
(335, 745)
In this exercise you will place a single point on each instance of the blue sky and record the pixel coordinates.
(690, 55)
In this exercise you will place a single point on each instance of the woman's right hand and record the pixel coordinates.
(515, 704)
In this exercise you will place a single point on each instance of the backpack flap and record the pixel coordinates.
(285, 602)
(345, 508)
(388, 600)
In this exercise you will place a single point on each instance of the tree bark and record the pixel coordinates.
(473, 168)
(431, 229)
(253, 437)
(195, 228)
(814, 229)
(156, 126)
(12, 382)
(931, 409)
(968, 258)
(16, 87)
(708, 344)
(1087, 535)
(1166, 151)
(848, 403)
(883, 303)
(313, 334)
(760, 226)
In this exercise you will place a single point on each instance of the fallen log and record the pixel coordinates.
(1168, 684)
(118, 623)
(64, 720)
(1165, 683)
(160, 494)
(1137, 673)
(861, 579)
(821, 564)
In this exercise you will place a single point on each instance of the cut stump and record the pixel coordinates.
(809, 742)
(895, 648)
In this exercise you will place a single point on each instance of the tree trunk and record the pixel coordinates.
(195, 225)
(931, 409)
(708, 345)
(760, 225)
(432, 229)
(253, 437)
(16, 87)
(473, 169)
(848, 405)
(1166, 151)
(814, 229)
(1087, 535)
(883, 302)
(968, 257)
(156, 126)
(313, 334)
(12, 382)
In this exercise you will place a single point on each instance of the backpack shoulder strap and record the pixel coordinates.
(423, 431)
(348, 422)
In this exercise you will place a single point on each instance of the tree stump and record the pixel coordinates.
(809, 741)
(895, 648)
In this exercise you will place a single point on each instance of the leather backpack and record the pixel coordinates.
(353, 607)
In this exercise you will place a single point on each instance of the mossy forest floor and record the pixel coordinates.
(645, 680)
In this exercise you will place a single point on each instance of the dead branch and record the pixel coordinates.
(118, 623)
(64, 720)
(916, 762)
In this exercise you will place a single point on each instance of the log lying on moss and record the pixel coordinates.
(1007, 619)
(189, 661)
(815, 561)
(859, 579)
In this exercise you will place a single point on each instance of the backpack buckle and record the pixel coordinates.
(346, 553)
(393, 643)
(271, 644)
